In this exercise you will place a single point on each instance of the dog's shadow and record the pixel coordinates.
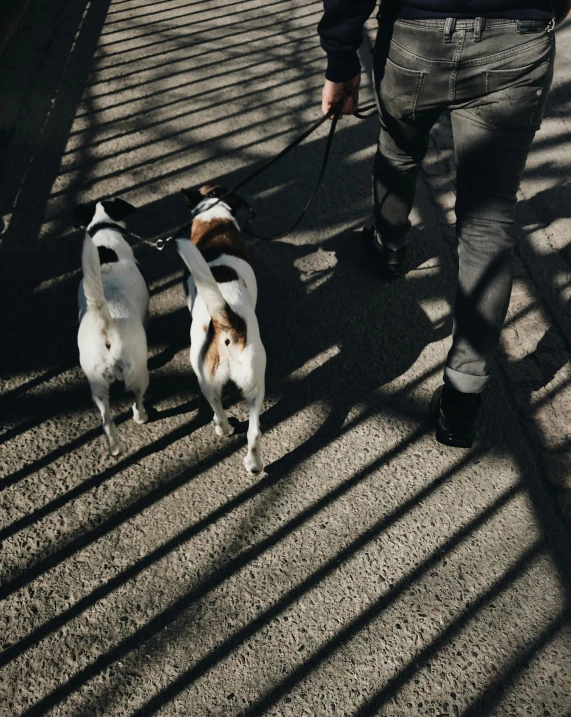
(172, 331)
(366, 331)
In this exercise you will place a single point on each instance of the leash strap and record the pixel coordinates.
(157, 244)
(334, 121)
(333, 114)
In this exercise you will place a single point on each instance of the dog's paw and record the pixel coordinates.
(224, 431)
(115, 448)
(140, 417)
(253, 463)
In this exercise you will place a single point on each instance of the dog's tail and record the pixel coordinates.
(92, 284)
(206, 285)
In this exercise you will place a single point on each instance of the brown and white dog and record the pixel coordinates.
(221, 291)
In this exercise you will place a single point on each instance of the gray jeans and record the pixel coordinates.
(493, 76)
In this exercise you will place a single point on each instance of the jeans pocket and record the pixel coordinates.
(399, 90)
(516, 97)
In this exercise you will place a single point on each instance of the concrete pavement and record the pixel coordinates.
(369, 570)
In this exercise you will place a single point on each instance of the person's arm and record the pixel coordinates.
(341, 32)
(561, 8)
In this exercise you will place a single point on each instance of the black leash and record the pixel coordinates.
(334, 120)
(333, 114)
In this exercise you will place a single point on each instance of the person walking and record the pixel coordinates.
(490, 64)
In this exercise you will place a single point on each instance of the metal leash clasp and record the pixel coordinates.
(160, 244)
(163, 242)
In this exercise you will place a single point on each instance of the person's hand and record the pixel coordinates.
(347, 91)
(561, 8)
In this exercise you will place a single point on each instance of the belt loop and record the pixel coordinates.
(478, 28)
(449, 27)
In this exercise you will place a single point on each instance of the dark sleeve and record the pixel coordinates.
(341, 32)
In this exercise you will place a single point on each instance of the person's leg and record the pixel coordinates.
(492, 138)
(489, 165)
(400, 150)
(501, 97)
(410, 97)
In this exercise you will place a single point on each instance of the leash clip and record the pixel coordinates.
(161, 243)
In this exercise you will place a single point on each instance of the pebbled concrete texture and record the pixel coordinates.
(369, 570)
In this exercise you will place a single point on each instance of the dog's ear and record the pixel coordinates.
(118, 209)
(193, 197)
(82, 215)
(218, 191)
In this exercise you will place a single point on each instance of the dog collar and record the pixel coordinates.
(200, 208)
(92, 231)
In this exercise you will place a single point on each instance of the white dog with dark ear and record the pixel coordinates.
(221, 291)
(113, 304)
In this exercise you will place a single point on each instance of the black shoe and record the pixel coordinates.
(456, 414)
(389, 263)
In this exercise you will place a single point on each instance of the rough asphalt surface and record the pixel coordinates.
(369, 570)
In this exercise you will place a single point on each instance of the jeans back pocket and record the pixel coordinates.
(516, 97)
(399, 90)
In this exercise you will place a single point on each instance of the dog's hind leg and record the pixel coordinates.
(140, 414)
(213, 396)
(253, 460)
(100, 394)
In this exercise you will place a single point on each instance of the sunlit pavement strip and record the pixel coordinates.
(370, 570)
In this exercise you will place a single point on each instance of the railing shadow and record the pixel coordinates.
(318, 298)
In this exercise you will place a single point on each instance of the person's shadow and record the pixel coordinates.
(538, 368)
